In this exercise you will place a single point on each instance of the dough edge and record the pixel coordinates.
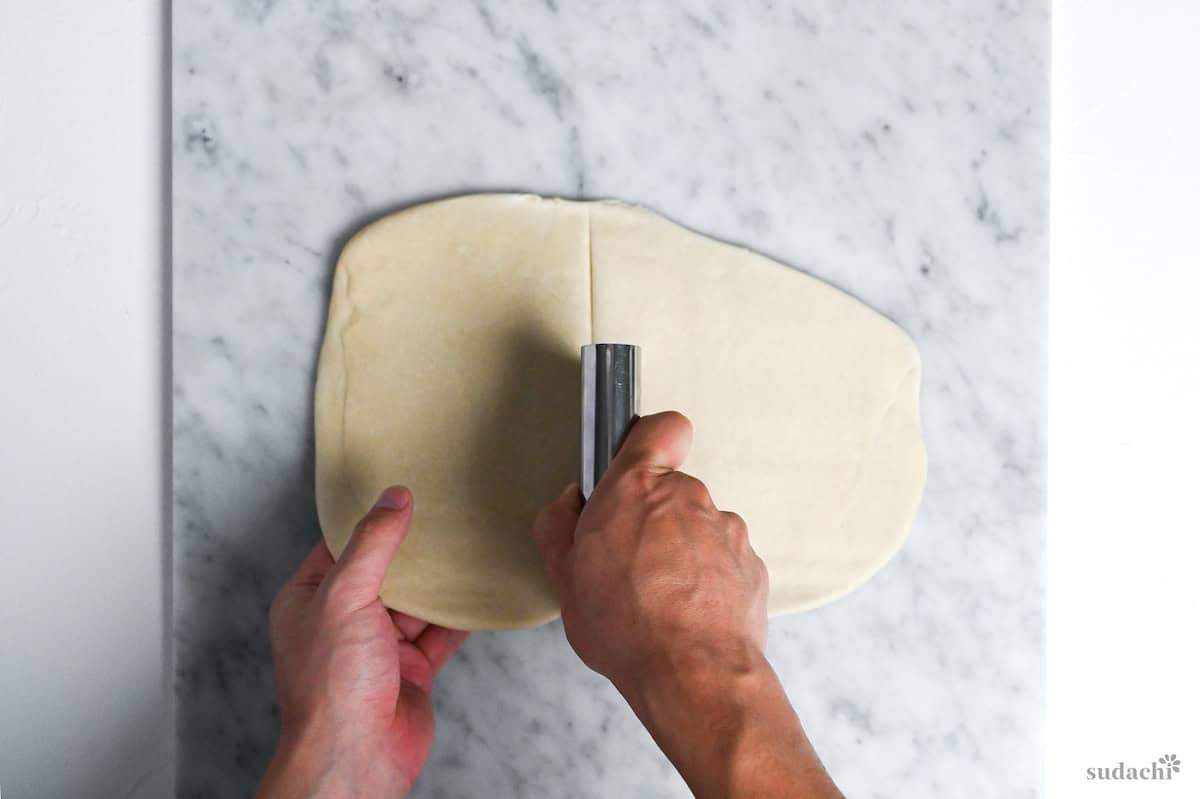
(486, 618)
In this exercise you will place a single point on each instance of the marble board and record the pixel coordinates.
(896, 150)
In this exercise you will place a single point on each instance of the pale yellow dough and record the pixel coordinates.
(451, 365)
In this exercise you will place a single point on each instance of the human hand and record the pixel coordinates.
(353, 677)
(652, 578)
(662, 593)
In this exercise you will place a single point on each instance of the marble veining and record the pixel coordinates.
(896, 150)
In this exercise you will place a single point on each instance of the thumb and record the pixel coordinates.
(659, 443)
(554, 531)
(357, 577)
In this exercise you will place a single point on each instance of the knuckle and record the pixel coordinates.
(738, 531)
(735, 522)
(692, 489)
(370, 526)
(635, 482)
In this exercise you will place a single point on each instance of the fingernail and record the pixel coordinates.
(394, 498)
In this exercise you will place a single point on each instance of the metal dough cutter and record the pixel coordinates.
(611, 403)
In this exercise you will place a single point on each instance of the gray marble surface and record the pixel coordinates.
(897, 150)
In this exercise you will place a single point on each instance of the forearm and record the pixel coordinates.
(730, 730)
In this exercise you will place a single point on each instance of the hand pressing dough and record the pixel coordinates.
(451, 365)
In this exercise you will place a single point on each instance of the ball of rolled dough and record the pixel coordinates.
(451, 365)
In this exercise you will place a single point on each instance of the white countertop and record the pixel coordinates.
(84, 705)
(84, 697)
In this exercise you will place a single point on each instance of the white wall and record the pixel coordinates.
(82, 690)
(1123, 660)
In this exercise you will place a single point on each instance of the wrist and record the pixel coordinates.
(298, 770)
(307, 765)
(693, 677)
(701, 712)
(727, 726)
